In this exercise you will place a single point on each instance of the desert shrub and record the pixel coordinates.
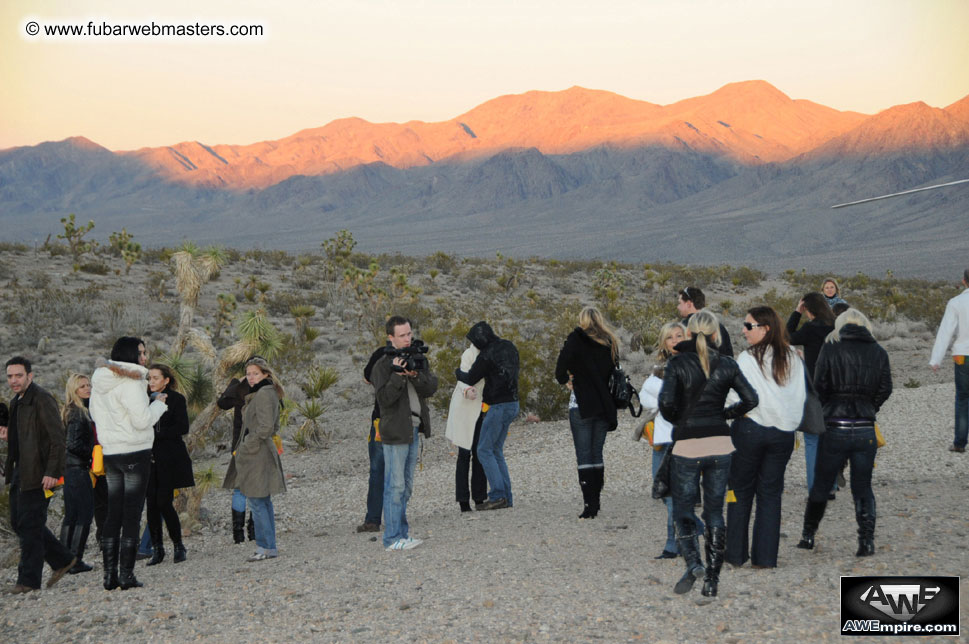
(156, 285)
(443, 262)
(14, 247)
(95, 268)
(282, 302)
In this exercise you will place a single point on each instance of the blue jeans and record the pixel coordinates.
(491, 445)
(686, 477)
(811, 459)
(264, 521)
(670, 531)
(238, 501)
(857, 444)
(588, 436)
(399, 464)
(757, 470)
(375, 485)
(962, 404)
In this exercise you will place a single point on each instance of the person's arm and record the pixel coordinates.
(884, 383)
(563, 362)
(944, 337)
(231, 396)
(478, 370)
(142, 415)
(669, 394)
(748, 397)
(176, 417)
(792, 323)
(822, 378)
(50, 420)
(262, 426)
(425, 382)
(388, 385)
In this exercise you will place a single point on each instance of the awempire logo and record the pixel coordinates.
(900, 605)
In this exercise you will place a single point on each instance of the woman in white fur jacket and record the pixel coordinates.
(125, 420)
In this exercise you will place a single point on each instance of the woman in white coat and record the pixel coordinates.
(463, 428)
(125, 421)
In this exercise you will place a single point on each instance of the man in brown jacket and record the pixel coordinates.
(35, 460)
(402, 395)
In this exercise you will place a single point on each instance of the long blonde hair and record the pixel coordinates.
(662, 354)
(71, 399)
(851, 316)
(596, 327)
(704, 324)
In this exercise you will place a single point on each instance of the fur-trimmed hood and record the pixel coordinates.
(109, 374)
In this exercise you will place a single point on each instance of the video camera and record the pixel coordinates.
(414, 356)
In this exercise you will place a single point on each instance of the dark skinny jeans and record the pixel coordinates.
(160, 507)
(468, 460)
(127, 476)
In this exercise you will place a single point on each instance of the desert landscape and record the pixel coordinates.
(531, 573)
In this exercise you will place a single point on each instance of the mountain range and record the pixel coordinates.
(744, 175)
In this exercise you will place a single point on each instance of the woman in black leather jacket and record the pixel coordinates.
(78, 490)
(853, 379)
(695, 387)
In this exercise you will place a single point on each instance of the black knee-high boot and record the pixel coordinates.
(716, 541)
(109, 551)
(157, 545)
(78, 545)
(586, 483)
(813, 513)
(865, 516)
(598, 480)
(126, 563)
(686, 541)
(238, 526)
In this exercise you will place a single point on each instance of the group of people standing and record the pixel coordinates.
(116, 443)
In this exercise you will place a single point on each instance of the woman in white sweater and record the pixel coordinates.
(125, 423)
(764, 438)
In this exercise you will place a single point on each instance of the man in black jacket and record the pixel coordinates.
(498, 365)
(375, 484)
(689, 301)
(35, 460)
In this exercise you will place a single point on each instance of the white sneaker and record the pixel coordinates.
(404, 544)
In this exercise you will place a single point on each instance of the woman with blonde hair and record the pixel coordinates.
(78, 490)
(585, 363)
(670, 335)
(695, 388)
(853, 379)
(255, 468)
(831, 292)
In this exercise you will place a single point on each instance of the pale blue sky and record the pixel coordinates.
(432, 60)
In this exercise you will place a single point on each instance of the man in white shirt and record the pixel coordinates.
(955, 323)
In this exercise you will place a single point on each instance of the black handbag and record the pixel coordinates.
(622, 391)
(812, 422)
(662, 487)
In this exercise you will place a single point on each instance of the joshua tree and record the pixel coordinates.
(130, 250)
(193, 268)
(74, 236)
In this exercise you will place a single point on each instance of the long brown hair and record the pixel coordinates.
(166, 372)
(596, 327)
(818, 305)
(775, 339)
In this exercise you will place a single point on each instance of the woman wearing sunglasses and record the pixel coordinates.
(764, 438)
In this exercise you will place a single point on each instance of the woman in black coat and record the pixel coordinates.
(811, 336)
(585, 363)
(853, 380)
(171, 466)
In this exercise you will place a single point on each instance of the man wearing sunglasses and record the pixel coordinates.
(689, 301)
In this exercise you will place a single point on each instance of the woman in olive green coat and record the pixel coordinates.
(255, 468)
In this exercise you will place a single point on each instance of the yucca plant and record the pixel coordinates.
(319, 379)
(310, 432)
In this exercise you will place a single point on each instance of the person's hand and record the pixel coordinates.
(3, 432)
(471, 393)
(800, 307)
(161, 397)
(935, 367)
(48, 482)
(568, 385)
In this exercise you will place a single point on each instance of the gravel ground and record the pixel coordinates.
(533, 572)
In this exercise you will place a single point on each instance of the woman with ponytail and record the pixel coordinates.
(695, 388)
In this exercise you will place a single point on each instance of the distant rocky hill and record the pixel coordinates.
(742, 175)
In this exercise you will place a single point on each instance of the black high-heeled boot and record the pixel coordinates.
(586, 484)
(598, 480)
(865, 516)
(78, 545)
(179, 554)
(813, 513)
(157, 546)
(238, 526)
(716, 541)
(251, 528)
(686, 541)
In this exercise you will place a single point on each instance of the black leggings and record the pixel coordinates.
(160, 507)
(127, 476)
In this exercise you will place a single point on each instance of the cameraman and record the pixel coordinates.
(402, 397)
